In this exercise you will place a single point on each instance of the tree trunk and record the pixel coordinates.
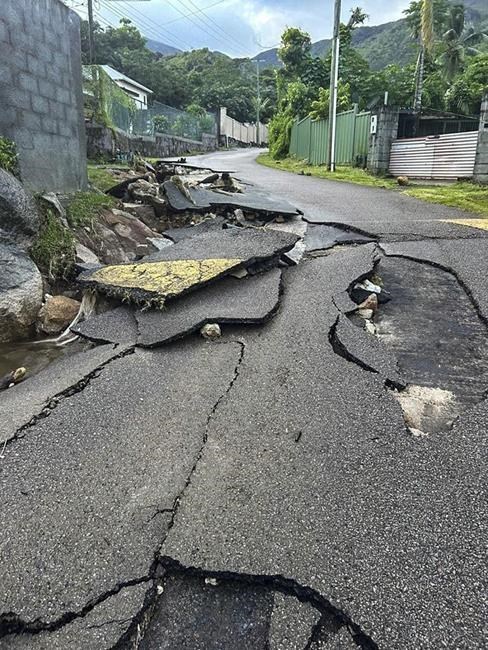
(419, 80)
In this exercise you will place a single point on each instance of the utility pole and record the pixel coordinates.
(334, 77)
(91, 39)
(258, 107)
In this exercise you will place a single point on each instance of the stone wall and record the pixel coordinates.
(104, 142)
(381, 141)
(481, 162)
(41, 100)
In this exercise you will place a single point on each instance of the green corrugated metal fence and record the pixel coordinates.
(309, 138)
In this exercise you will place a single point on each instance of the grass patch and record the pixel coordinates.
(100, 177)
(348, 174)
(54, 249)
(466, 196)
(85, 207)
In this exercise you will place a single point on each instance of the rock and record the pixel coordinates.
(52, 200)
(280, 219)
(144, 213)
(20, 293)
(403, 180)
(371, 302)
(12, 378)
(85, 256)
(57, 313)
(211, 331)
(19, 219)
(366, 313)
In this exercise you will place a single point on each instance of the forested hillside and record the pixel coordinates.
(388, 43)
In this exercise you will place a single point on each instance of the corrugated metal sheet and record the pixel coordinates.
(309, 138)
(442, 157)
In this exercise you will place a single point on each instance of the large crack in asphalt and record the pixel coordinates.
(156, 619)
(435, 331)
(11, 623)
(55, 400)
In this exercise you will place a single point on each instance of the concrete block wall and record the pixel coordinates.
(41, 98)
(380, 142)
(104, 142)
(480, 174)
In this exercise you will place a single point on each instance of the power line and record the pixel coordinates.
(148, 26)
(210, 22)
(190, 18)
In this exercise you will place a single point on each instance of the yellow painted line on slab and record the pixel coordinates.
(166, 278)
(482, 224)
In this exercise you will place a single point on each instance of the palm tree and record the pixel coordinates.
(426, 39)
(457, 42)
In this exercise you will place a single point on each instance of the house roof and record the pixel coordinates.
(115, 75)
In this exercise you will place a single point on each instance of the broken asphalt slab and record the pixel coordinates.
(26, 401)
(88, 493)
(366, 350)
(198, 199)
(310, 453)
(248, 301)
(324, 236)
(188, 264)
(209, 225)
(115, 326)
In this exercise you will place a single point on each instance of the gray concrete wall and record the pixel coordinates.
(481, 162)
(380, 142)
(41, 99)
(103, 142)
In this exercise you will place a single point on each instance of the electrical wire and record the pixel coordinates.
(197, 24)
(147, 26)
(212, 24)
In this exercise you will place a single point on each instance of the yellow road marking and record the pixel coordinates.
(482, 224)
(166, 278)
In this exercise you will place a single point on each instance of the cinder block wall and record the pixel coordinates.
(481, 162)
(41, 97)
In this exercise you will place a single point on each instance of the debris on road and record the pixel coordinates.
(12, 378)
(188, 265)
(211, 331)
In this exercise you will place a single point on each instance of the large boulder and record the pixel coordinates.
(57, 313)
(20, 293)
(19, 219)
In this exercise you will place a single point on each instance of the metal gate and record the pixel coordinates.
(444, 157)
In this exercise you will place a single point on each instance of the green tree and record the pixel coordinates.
(320, 107)
(465, 94)
(458, 42)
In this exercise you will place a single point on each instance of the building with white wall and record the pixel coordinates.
(134, 89)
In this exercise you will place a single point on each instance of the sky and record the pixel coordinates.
(236, 27)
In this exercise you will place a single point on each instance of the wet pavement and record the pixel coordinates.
(265, 490)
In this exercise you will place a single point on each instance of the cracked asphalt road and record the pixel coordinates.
(266, 461)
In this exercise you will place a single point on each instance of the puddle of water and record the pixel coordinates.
(434, 331)
(34, 356)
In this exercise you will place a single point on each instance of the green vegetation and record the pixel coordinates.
(54, 249)
(85, 207)
(349, 174)
(8, 156)
(465, 196)
(450, 72)
(199, 78)
(100, 177)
